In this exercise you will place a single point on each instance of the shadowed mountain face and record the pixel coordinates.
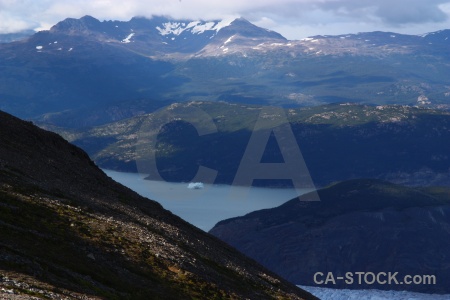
(357, 226)
(68, 231)
(405, 145)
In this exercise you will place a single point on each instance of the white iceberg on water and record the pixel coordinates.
(195, 185)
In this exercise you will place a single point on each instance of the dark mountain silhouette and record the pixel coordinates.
(357, 226)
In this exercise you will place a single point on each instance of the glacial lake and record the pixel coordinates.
(206, 206)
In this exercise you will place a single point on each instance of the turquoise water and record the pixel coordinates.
(206, 206)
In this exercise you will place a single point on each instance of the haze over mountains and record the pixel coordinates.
(84, 72)
(12, 37)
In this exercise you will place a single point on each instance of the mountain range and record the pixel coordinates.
(84, 72)
(67, 231)
(84, 78)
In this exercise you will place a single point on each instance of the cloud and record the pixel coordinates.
(15, 15)
(394, 12)
(348, 16)
(288, 14)
(9, 24)
(402, 12)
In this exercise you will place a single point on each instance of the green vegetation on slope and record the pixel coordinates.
(408, 145)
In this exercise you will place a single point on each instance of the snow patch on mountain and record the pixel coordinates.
(222, 24)
(171, 28)
(200, 28)
(229, 39)
(195, 27)
(430, 33)
(128, 38)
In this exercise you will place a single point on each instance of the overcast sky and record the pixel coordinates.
(295, 19)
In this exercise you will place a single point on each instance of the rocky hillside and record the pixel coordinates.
(67, 231)
(357, 226)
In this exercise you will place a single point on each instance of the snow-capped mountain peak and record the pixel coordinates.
(195, 27)
(161, 35)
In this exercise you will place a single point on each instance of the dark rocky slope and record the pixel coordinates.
(67, 231)
(358, 226)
